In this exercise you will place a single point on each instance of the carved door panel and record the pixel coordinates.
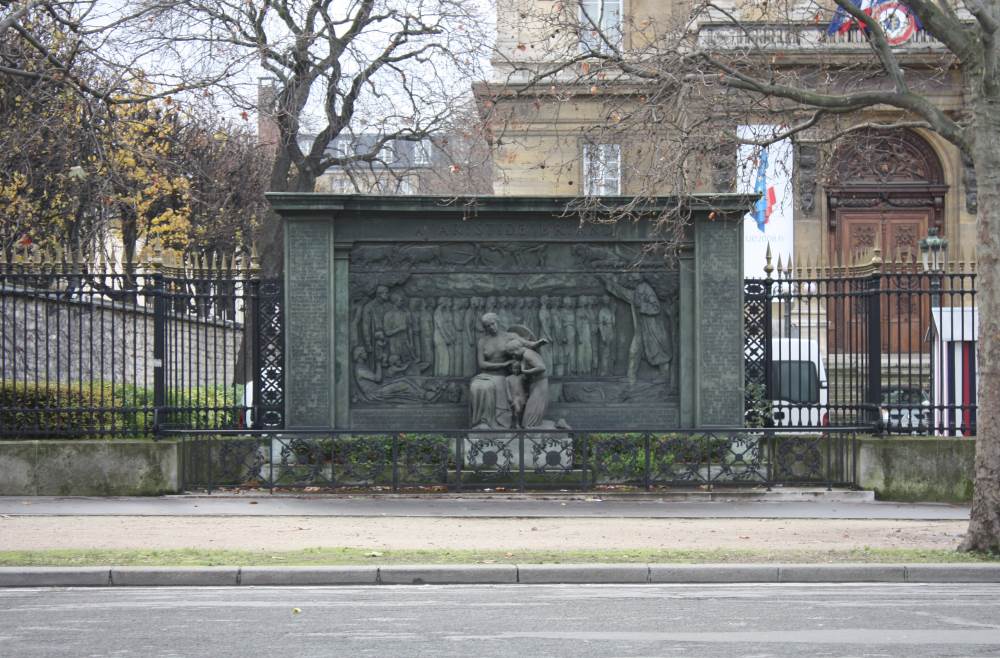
(898, 234)
(905, 314)
(895, 231)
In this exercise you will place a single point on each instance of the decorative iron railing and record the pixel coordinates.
(499, 460)
(791, 36)
(894, 344)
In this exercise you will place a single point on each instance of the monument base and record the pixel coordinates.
(502, 452)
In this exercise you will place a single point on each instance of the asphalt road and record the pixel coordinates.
(751, 621)
(473, 507)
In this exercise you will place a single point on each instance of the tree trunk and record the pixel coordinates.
(984, 526)
(270, 246)
(270, 235)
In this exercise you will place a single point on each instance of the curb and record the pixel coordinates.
(496, 574)
(778, 494)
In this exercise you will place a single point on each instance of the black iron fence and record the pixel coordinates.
(91, 348)
(499, 460)
(890, 344)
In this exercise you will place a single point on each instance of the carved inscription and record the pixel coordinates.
(721, 349)
(309, 308)
(489, 230)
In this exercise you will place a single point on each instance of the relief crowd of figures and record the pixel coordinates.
(438, 337)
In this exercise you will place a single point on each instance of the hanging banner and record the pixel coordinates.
(766, 172)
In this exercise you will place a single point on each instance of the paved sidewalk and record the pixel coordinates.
(479, 523)
(514, 523)
(839, 505)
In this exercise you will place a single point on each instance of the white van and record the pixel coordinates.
(799, 391)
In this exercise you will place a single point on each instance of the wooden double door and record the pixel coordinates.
(905, 303)
(896, 232)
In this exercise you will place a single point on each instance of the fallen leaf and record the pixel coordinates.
(373, 554)
(296, 611)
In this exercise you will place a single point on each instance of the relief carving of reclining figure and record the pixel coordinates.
(372, 388)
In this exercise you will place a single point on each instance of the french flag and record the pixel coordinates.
(897, 20)
(843, 22)
(762, 209)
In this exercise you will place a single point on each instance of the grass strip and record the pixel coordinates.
(357, 556)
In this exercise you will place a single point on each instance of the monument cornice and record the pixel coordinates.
(725, 206)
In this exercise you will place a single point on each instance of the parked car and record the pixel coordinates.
(906, 409)
(798, 384)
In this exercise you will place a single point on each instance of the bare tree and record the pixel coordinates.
(56, 36)
(677, 83)
(389, 67)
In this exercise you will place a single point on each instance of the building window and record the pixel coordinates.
(341, 147)
(602, 169)
(422, 153)
(339, 183)
(387, 154)
(406, 187)
(600, 25)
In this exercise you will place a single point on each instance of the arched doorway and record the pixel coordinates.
(887, 188)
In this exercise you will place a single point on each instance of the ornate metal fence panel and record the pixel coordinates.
(484, 460)
(269, 370)
(756, 342)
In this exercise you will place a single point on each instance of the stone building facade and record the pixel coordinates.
(885, 189)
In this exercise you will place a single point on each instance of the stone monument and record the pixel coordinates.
(424, 313)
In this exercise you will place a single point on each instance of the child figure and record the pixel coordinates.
(527, 387)
(517, 393)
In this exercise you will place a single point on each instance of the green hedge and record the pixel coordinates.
(48, 409)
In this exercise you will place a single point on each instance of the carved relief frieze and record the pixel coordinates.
(806, 163)
(416, 318)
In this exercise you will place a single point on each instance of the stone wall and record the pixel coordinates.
(88, 468)
(938, 469)
(903, 469)
(70, 340)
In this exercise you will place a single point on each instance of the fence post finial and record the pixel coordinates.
(157, 252)
(768, 268)
(254, 258)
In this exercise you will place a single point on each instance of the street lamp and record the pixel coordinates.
(932, 250)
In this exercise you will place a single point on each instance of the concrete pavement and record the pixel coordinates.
(505, 621)
(787, 505)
